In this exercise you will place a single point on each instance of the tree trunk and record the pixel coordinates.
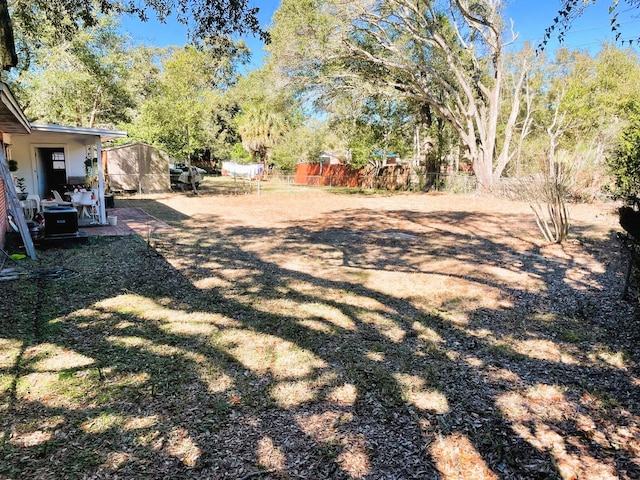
(483, 168)
(426, 146)
(8, 55)
(97, 100)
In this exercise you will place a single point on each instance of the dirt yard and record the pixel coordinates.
(302, 333)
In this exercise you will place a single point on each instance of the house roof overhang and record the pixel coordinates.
(80, 131)
(12, 119)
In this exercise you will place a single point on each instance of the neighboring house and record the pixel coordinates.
(387, 158)
(392, 159)
(49, 157)
(338, 158)
(136, 167)
(330, 158)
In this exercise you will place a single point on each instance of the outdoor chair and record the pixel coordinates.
(89, 205)
(75, 199)
(30, 206)
(36, 199)
(59, 200)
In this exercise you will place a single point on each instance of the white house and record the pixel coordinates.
(330, 158)
(48, 157)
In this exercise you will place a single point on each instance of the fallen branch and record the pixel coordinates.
(257, 474)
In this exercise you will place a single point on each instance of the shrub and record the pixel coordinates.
(624, 162)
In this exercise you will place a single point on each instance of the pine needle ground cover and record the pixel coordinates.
(309, 334)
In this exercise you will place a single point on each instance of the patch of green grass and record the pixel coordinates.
(605, 400)
(572, 330)
(570, 335)
(452, 302)
(503, 351)
(52, 328)
(330, 450)
(80, 460)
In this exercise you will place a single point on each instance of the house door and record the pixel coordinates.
(55, 169)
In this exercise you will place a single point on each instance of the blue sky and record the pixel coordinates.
(531, 18)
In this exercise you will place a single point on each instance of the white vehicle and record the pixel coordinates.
(183, 178)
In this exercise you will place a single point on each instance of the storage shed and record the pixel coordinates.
(136, 167)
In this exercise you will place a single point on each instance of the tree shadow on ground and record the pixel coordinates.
(293, 351)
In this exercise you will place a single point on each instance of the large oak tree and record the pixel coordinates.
(445, 56)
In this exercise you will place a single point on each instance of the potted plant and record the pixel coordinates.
(21, 188)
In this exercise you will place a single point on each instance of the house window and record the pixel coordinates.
(57, 161)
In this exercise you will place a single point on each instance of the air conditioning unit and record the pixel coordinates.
(60, 220)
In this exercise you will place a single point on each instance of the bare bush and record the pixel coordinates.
(547, 194)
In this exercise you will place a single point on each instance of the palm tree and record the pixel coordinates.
(261, 128)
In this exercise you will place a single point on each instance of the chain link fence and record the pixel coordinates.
(457, 183)
(454, 183)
